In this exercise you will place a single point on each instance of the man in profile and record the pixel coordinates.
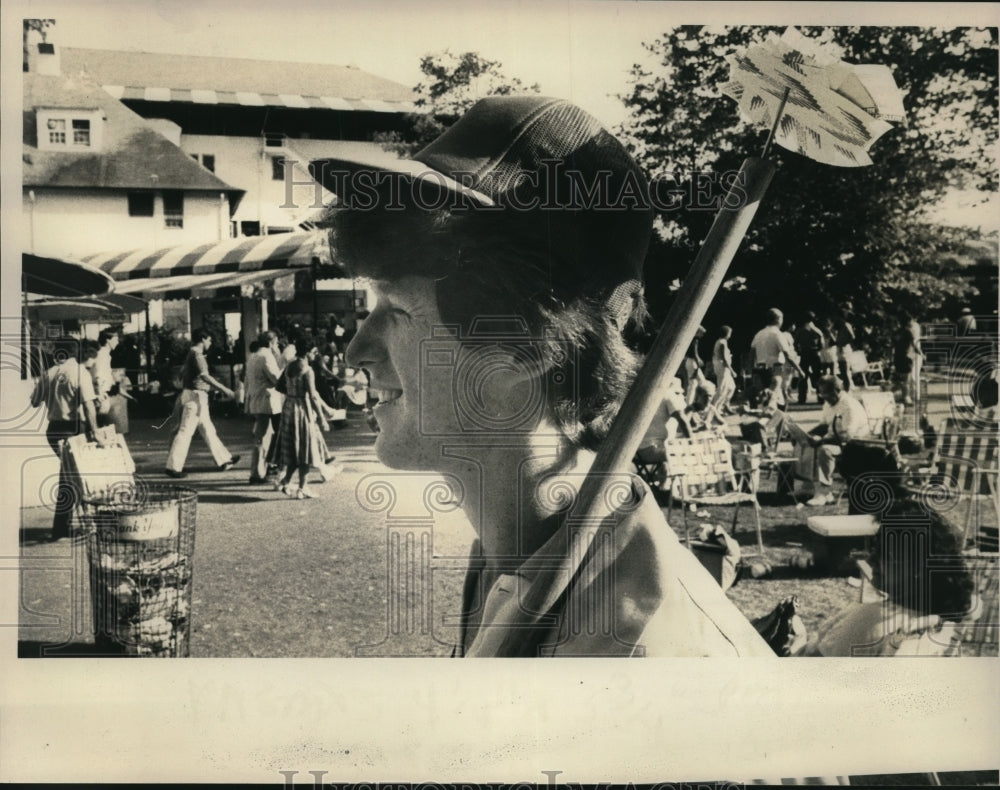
(263, 401)
(198, 383)
(843, 419)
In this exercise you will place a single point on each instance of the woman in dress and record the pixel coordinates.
(300, 442)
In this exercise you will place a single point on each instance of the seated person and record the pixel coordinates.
(767, 419)
(911, 610)
(843, 419)
(663, 426)
(354, 388)
(699, 415)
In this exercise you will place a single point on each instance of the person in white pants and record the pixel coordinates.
(197, 383)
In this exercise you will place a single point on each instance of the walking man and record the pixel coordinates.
(104, 380)
(810, 341)
(263, 401)
(772, 349)
(67, 390)
(197, 383)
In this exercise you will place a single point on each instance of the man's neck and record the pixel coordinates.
(512, 491)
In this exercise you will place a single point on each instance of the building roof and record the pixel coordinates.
(201, 79)
(131, 155)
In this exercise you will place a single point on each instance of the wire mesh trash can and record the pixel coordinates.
(140, 551)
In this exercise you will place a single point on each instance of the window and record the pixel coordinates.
(273, 140)
(81, 132)
(173, 208)
(57, 131)
(140, 204)
(249, 228)
(205, 160)
(278, 168)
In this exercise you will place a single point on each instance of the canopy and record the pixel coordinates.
(48, 276)
(205, 270)
(81, 309)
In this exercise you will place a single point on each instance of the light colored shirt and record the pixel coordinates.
(261, 376)
(771, 347)
(104, 377)
(69, 386)
(659, 430)
(847, 418)
(641, 594)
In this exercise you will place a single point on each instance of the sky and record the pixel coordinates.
(582, 51)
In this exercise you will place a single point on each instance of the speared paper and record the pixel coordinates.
(834, 112)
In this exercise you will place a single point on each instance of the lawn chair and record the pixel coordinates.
(862, 368)
(650, 471)
(977, 632)
(705, 476)
(965, 463)
(884, 414)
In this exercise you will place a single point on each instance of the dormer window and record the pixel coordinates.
(81, 132)
(69, 129)
(57, 131)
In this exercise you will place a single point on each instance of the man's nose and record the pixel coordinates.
(364, 346)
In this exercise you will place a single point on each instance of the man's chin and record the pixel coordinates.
(402, 456)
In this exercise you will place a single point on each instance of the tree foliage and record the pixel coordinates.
(452, 84)
(849, 240)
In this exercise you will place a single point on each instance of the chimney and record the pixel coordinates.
(43, 56)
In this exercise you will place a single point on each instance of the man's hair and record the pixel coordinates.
(106, 335)
(88, 349)
(265, 338)
(303, 345)
(831, 383)
(199, 334)
(775, 316)
(488, 262)
(725, 331)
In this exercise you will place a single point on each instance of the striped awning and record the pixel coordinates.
(251, 99)
(206, 270)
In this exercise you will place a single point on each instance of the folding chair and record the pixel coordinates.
(977, 632)
(965, 463)
(862, 368)
(884, 414)
(704, 475)
(649, 471)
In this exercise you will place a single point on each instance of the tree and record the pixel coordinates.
(453, 84)
(826, 238)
